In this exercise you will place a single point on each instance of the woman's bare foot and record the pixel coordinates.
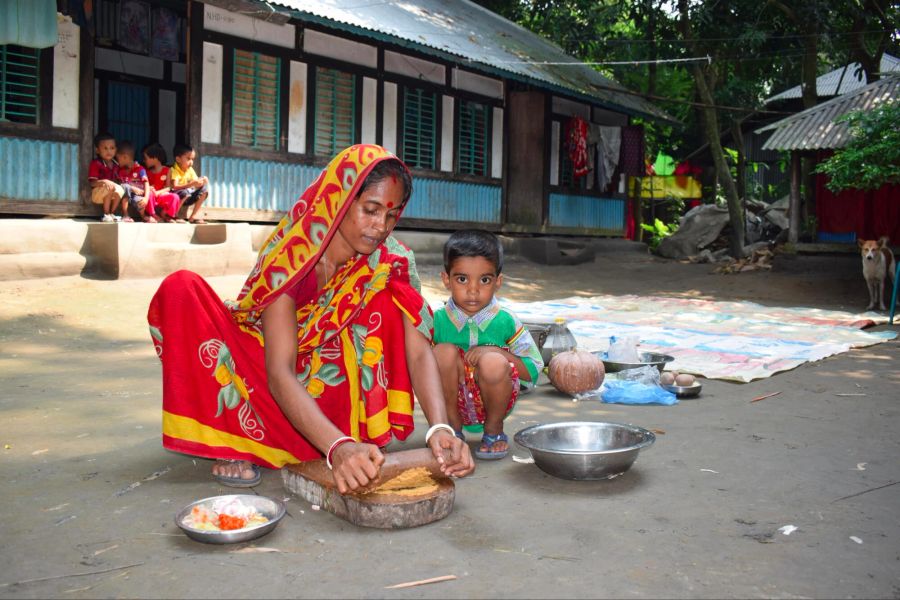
(239, 470)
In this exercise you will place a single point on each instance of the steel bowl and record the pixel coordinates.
(685, 391)
(584, 449)
(269, 508)
(647, 358)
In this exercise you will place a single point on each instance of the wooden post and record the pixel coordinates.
(86, 115)
(794, 207)
(194, 83)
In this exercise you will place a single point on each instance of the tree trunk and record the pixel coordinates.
(741, 166)
(711, 128)
(794, 205)
(709, 116)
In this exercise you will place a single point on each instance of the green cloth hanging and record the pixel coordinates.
(664, 165)
(30, 23)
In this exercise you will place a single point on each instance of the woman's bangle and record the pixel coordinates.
(437, 427)
(334, 446)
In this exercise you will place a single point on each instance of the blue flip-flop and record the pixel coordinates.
(240, 482)
(489, 440)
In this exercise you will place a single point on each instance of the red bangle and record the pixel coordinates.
(334, 446)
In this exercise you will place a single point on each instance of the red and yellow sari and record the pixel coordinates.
(350, 348)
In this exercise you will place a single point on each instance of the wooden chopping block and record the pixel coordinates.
(313, 481)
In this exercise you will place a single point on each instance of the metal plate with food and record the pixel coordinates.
(230, 519)
(685, 391)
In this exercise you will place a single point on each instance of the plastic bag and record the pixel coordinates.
(623, 349)
(633, 392)
(648, 375)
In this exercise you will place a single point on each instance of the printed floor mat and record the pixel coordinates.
(736, 341)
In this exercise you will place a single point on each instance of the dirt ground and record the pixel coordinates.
(89, 495)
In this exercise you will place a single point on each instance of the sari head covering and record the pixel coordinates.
(350, 347)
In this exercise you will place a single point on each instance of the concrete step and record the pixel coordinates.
(127, 250)
(35, 265)
(19, 236)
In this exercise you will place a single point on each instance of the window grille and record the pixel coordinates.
(335, 126)
(19, 84)
(472, 142)
(255, 103)
(419, 128)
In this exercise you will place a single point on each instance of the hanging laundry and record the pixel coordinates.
(30, 23)
(608, 154)
(632, 156)
(576, 144)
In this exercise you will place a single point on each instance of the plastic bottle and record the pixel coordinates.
(560, 339)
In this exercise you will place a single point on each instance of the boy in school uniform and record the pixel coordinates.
(103, 177)
(484, 353)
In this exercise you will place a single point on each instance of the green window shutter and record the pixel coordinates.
(335, 127)
(256, 100)
(419, 128)
(19, 84)
(472, 142)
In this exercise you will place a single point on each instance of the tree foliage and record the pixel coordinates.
(756, 48)
(872, 157)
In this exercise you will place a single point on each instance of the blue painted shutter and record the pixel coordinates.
(19, 89)
(419, 128)
(335, 127)
(472, 141)
(255, 104)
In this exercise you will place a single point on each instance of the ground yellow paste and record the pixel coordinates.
(412, 482)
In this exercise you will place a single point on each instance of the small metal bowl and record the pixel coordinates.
(584, 450)
(269, 508)
(647, 358)
(685, 391)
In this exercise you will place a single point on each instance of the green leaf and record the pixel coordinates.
(230, 396)
(367, 377)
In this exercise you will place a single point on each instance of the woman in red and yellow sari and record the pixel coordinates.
(323, 348)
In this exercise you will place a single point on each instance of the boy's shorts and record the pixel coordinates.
(98, 194)
(191, 195)
(468, 398)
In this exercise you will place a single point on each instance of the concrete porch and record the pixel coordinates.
(56, 247)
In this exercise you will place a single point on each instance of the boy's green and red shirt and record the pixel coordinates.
(493, 325)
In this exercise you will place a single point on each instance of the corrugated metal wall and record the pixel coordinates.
(38, 170)
(441, 200)
(255, 184)
(262, 185)
(587, 212)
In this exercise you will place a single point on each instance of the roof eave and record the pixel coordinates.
(476, 66)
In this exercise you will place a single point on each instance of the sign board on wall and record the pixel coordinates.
(223, 21)
(66, 64)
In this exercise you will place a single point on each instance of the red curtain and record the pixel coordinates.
(869, 214)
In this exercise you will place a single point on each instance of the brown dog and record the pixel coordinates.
(878, 264)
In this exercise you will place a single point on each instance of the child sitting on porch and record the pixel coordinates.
(483, 351)
(102, 176)
(183, 180)
(167, 201)
(138, 192)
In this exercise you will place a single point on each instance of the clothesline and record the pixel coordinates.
(659, 61)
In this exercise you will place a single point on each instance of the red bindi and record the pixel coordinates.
(390, 205)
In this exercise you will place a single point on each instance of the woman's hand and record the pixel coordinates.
(459, 463)
(355, 465)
